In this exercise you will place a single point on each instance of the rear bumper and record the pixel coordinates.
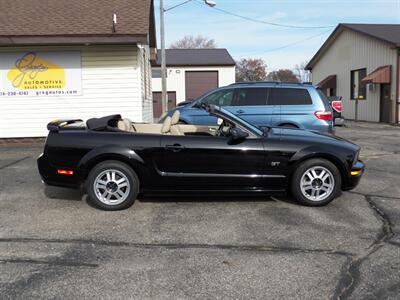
(50, 176)
(355, 175)
(339, 121)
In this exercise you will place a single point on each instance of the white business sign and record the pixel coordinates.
(35, 74)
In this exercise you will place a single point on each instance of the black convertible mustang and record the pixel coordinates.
(115, 159)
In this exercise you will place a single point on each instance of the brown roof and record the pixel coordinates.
(196, 57)
(38, 20)
(387, 33)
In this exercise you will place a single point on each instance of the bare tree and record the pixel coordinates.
(283, 75)
(193, 42)
(251, 69)
(301, 72)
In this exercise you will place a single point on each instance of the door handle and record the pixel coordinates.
(240, 111)
(174, 147)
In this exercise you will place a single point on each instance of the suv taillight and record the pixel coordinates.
(337, 105)
(324, 115)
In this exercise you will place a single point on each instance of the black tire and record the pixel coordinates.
(302, 169)
(121, 168)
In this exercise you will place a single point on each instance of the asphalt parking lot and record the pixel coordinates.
(54, 245)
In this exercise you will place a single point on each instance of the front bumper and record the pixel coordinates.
(355, 175)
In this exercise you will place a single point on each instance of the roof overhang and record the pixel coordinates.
(380, 75)
(328, 83)
(72, 40)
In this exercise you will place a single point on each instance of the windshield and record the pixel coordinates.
(239, 120)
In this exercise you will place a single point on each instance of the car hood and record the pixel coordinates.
(316, 136)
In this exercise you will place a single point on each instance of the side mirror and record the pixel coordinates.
(236, 134)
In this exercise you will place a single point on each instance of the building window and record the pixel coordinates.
(156, 73)
(358, 88)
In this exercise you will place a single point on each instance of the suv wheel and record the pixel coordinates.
(112, 185)
(316, 182)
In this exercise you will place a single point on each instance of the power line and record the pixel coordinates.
(297, 42)
(265, 22)
(288, 45)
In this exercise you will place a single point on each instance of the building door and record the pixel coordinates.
(199, 82)
(386, 104)
(157, 103)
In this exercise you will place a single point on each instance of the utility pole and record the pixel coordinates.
(164, 99)
(164, 95)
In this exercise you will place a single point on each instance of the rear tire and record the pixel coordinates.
(316, 182)
(112, 185)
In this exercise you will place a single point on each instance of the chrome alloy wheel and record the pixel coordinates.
(317, 183)
(111, 187)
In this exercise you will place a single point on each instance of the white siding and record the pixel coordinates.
(110, 85)
(176, 79)
(145, 73)
(351, 51)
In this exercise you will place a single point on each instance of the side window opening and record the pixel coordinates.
(220, 98)
(289, 96)
(252, 97)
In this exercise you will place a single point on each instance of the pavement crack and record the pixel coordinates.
(14, 162)
(350, 275)
(63, 263)
(250, 248)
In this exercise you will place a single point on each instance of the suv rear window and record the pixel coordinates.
(252, 96)
(284, 96)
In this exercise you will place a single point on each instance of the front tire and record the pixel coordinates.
(112, 185)
(316, 182)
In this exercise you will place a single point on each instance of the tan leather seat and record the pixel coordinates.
(175, 129)
(126, 125)
(166, 127)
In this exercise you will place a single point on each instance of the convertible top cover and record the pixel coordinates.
(104, 123)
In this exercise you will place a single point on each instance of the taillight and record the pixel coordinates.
(337, 105)
(65, 172)
(324, 115)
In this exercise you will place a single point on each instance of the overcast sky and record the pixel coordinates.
(244, 38)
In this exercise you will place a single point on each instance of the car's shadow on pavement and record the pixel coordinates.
(59, 193)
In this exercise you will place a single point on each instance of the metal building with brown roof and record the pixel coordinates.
(360, 63)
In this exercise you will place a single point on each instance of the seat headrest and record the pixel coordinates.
(175, 117)
(166, 127)
(129, 125)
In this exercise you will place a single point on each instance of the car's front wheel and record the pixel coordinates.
(112, 185)
(316, 182)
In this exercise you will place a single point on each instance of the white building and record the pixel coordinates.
(74, 64)
(191, 73)
(361, 62)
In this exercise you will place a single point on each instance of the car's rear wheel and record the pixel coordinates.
(112, 185)
(316, 182)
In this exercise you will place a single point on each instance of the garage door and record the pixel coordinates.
(157, 103)
(199, 82)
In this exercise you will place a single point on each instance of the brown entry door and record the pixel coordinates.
(386, 104)
(157, 103)
(199, 82)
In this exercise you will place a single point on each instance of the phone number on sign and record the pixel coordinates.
(37, 93)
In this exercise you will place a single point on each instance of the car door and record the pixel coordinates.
(251, 105)
(209, 162)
